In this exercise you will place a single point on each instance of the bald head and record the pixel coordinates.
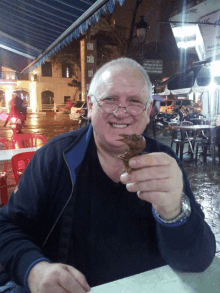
(116, 66)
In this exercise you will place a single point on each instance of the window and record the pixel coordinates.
(66, 70)
(47, 69)
(66, 98)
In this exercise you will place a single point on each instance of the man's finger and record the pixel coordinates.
(146, 174)
(79, 277)
(162, 185)
(152, 159)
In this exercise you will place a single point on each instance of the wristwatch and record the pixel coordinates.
(185, 211)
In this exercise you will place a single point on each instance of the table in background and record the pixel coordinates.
(6, 155)
(196, 128)
(193, 127)
(165, 279)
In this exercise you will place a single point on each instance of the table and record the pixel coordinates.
(6, 155)
(164, 280)
(193, 127)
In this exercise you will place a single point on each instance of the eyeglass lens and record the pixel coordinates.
(133, 110)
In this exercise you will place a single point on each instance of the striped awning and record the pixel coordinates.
(33, 30)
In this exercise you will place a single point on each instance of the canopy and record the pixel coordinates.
(200, 79)
(158, 98)
(33, 30)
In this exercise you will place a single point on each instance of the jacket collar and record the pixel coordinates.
(75, 153)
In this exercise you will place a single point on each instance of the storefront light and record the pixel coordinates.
(186, 45)
(33, 96)
(184, 31)
(214, 67)
(212, 86)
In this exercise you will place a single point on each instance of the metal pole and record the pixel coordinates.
(142, 53)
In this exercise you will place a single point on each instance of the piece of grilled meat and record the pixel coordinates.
(136, 143)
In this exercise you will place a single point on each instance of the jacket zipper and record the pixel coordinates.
(51, 230)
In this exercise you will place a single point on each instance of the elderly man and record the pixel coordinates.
(77, 219)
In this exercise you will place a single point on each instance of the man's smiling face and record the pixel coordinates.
(124, 86)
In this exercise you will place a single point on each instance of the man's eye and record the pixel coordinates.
(134, 101)
(109, 99)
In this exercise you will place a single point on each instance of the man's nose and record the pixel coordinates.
(121, 111)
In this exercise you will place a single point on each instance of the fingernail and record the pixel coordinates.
(124, 176)
(129, 186)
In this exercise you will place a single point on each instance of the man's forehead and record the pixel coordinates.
(121, 77)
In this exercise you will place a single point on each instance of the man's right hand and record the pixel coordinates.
(56, 278)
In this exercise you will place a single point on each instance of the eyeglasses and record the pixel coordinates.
(111, 107)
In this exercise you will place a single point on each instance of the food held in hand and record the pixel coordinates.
(136, 143)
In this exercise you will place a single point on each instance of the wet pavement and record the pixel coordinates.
(204, 178)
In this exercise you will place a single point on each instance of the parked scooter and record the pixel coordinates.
(163, 119)
(16, 124)
(185, 115)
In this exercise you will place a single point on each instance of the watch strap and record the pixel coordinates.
(179, 219)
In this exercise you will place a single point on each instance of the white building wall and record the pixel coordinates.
(56, 84)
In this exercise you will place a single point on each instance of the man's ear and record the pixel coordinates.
(89, 107)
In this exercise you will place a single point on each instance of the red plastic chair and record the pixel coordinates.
(26, 140)
(19, 163)
(3, 175)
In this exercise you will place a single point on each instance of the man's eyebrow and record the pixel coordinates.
(110, 96)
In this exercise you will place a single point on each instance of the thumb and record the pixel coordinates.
(80, 278)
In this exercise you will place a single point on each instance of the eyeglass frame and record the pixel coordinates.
(125, 108)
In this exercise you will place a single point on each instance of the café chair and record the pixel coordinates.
(26, 140)
(179, 140)
(188, 123)
(209, 144)
(19, 163)
(5, 144)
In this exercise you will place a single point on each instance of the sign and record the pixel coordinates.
(88, 64)
(211, 33)
(153, 66)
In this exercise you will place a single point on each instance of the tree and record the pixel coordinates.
(77, 84)
(111, 44)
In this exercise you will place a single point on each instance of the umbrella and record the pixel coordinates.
(158, 98)
(196, 79)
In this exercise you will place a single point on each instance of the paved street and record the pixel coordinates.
(204, 178)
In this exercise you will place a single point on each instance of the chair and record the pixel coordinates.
(210, 144)
(19, 163)
(26, 140)
(179, 140)
(3, 175)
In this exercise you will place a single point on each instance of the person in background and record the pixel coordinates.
(17, 108)
(12, 109)
(69, 104)
(78, 220)
(154, 111)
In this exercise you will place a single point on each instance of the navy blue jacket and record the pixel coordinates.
(36, 205)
